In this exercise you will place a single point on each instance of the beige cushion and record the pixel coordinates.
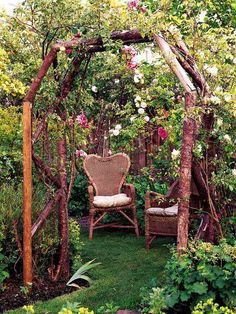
(112, 201)
(168, 211)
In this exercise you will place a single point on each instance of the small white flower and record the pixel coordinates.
(201, 17)
(116, 132)
(117, 81)
(137, 98)
(234, 61)
(215, 100)
(136, 79)
(212, 70)
(173, 29)
(62, 49)
(132, 119)
(146, 118)
(141, 111)
(234, 172)
(155, 81)
(118, 127)
(227, 98)
(94, 89)
(137, 105)
(175, 154)
(219, 122)
(227, 138)
(111, 131)
(143, 105)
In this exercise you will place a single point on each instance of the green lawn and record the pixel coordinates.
(126, 267)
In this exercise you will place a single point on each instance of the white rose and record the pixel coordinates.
(227, 98)
(227, 138)
(215, 100)
(141, 111)
(137, 105)
(212, 70)
(219, 122)
(132, 119)
(117, 81)
(118, 127)
(94, 89)
(143, 104)
(136, 78)
(146, 118)
(201, 17)
(137, 98)
(62, 49)
(116, 132)
(234, 61)
(234, 172)
(175, 154)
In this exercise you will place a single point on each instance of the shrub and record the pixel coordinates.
(210, 307)
(204, 271)
(75, 244)
(79, 201)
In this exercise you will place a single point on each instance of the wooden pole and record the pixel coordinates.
(188, 140)
(27, 194)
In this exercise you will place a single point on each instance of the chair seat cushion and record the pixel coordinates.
(112, 201)
(168, 211)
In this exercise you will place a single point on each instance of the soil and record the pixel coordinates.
(43, 289)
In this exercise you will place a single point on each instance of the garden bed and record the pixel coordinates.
(14, 295)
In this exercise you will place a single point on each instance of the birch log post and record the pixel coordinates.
(188, 140)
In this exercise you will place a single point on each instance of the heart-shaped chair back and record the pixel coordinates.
(107, 174)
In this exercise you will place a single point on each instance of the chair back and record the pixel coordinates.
(107, 174)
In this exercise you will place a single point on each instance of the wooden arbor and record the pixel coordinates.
(180, 62)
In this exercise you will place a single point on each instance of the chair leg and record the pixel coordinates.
(147, 233)
(136, 222)
(91, 222)
(148, 241)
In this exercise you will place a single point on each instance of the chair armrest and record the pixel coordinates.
(91, 195)
(129, 190)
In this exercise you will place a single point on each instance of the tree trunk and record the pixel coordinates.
(188, 139)
(63, 268)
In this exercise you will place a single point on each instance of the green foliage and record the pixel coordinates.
(209, 307)
(3, 273)
(144, 182)
(75, 244)
(11, 145)
(80, 274)
(79, 201)
(108, 308)
(203, 271)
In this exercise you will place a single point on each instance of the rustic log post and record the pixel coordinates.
(27, 194)
(188, 139)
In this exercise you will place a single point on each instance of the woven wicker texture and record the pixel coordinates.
(107, 174)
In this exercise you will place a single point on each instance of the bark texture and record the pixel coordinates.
(188, 140)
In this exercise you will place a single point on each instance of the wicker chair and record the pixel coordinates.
(107, 175)
(161, 211)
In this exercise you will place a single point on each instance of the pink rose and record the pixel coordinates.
(132, 64)
(69, 51)
(82, 120)
(133, 4)
(80, 153)
(143, 9)
(162, 133)
(78, 35)
(129, 50)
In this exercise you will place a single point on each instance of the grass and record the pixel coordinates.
(126, 267)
